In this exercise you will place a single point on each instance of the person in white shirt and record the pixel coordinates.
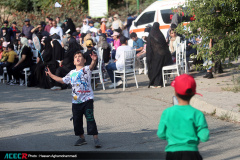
(119, 62)
(117, 23)
(174, 41)
(56, 29)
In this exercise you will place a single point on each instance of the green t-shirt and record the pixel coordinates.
(183, 127)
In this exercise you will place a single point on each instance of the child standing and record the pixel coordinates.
(82, 97)
(182, 125)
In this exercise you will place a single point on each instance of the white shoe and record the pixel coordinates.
(55, 88)
(155, 86)
(111, 86)
(119, 83)
(140, 71)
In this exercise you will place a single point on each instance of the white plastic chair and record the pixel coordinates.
(99, 70)
(128, 69)
(3, 76)
(183, 58)
(27, 70)
(173, 69)
(145, 65)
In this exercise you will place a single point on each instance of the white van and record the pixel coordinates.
(159, 11)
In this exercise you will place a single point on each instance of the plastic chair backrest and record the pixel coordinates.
(35, 55)
(129, 59)
(100, 58)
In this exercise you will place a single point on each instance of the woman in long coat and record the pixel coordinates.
(158, 55)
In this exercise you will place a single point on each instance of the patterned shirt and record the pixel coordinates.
(81, 84)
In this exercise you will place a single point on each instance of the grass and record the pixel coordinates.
(225, 117)
(213, 113)
(236, 87)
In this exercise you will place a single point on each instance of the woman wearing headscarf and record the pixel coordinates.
(69, 26)
(46, 59)
(58, 50)
(66, 65)
(105, 46)
(25, 60)
(158, 55)
(85, 26)
(84, 30)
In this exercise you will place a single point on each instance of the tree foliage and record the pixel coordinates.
(36, 5)
(218, 20)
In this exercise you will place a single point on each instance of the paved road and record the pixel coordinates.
(33, 119)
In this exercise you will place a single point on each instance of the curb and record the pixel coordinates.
(214, 110)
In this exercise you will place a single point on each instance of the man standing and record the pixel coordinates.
(39, 31)
(5, 26)
(130, 19)
(56, 29)
(13, 30)
(49, 25)
(26, 30)
(59, 24)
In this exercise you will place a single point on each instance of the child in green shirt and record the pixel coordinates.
(182, 125)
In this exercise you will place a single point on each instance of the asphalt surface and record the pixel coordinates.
(33, 119)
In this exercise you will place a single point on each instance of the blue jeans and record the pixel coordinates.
(110, 68)
(113, 54)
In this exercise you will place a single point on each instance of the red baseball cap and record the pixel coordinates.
(184, 82)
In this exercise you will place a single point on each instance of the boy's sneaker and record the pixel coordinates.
(11, 81)
(80, 142)
(14, 83)
(55, 88)
(97, 143)
(22, 83)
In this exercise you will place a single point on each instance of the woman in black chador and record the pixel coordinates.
(158, 55)
(70, 25)
(39, 77)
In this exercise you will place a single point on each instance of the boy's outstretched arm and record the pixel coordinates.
(54, 77)
(94, 61)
